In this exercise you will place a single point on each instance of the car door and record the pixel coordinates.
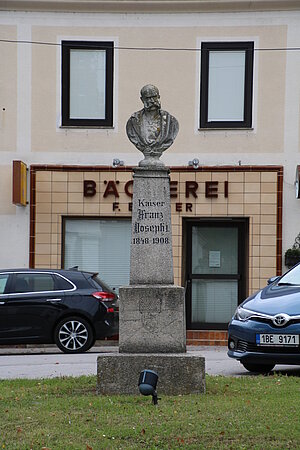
(30, 307)
(5, 282)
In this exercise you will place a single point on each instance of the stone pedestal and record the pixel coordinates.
(152, 319)
(178, 374)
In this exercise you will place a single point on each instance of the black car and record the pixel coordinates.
(70, 308)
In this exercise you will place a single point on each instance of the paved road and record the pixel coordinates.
(50, 362)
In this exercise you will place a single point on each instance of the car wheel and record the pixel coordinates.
(91, 344)
(259, 368)
(74, 335)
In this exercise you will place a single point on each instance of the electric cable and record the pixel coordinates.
(171, 49)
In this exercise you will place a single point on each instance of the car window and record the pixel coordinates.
(63, 283)
(99, 284)
(3, 283)
(34, 282)
(292, 277)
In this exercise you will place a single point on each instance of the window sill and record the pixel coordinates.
(227, 129)
(86, 127)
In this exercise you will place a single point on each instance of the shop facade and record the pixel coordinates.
(227, 70)
(226, 229)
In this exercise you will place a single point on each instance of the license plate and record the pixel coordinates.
(284, 340)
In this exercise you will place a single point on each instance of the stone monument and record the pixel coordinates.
(151, 129)
(152, 332)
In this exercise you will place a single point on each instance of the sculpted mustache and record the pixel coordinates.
(156, 103)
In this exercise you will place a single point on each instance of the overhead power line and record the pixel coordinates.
(145, 49)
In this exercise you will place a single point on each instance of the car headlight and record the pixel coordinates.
(243, 314)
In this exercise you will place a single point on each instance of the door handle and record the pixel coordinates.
(53, 300)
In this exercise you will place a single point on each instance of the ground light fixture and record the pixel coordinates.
(147, 384)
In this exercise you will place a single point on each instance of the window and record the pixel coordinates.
(3, 283)
(87, 83)
(99, 245)
(37, 282)
(226, 84)
(63, 284)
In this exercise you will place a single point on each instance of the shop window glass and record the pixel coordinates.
(99, 245)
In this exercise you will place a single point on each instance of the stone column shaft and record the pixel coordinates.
(151, 259)
(152, 309)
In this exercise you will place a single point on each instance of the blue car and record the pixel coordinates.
(265, 328)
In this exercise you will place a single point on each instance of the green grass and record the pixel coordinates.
(235, 413)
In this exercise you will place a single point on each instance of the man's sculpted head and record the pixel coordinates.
(150, 97)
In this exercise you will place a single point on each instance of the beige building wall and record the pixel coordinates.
(8, 89)
(177, 75)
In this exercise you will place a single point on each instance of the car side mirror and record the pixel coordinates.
(273, 279)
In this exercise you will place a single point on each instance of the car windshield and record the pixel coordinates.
(291, 278)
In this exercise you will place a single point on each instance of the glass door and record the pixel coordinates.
(215, 275)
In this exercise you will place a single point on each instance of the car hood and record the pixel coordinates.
(275, 299)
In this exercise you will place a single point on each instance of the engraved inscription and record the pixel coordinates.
(144, 215)
(144, 203)
(156, 229)
(150, 226)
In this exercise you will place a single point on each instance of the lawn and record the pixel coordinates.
(259, 412)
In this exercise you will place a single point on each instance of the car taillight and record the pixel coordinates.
(104, 296)
(110, 310)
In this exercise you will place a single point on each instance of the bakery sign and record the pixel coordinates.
(112, 189)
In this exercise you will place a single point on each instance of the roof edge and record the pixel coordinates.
(149, 6)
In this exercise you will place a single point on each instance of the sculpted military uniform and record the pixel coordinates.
(151, 129)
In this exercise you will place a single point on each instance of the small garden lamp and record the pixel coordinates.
(147, 384)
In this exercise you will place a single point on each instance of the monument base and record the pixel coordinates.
(152, 319)
(178, 374)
